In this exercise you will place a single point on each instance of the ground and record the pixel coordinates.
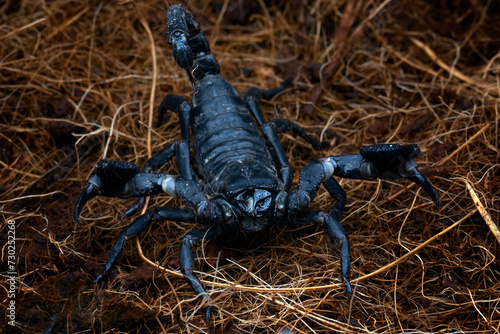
(81, 81)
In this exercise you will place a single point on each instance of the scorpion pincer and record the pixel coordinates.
(241, 179)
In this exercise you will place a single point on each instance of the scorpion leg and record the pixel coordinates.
(311, 177)
(335, 190)
(337, 234)
(181, 150)
(284, 125)
(139, 225)
(271, 129)
(254, 96)
(179, 105)
(186, 260)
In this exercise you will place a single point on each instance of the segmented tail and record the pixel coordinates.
(191, 48)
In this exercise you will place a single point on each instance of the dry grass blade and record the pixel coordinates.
(469, 141)
(340, 43)
(236, 286)
(27, 26)
(483, 211)
(443, 65)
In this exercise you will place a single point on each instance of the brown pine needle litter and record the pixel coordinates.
(82, 80)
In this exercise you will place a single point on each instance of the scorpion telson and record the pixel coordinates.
(241, 180)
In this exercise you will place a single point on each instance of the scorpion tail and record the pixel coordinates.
(191, 48)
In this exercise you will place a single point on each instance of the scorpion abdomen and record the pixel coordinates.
(230, 151)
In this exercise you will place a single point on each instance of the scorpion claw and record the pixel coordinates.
(397, 161)
(89, 191)
(109, 178)
(422, 181)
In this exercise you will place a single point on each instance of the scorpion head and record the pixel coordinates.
(255, 203)
(257, 208)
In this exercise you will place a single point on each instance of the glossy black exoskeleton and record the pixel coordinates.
(241, 180)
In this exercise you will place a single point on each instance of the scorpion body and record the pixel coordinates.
(230, 152)
(242, 180)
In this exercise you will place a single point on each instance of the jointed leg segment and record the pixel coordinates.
(337, 234)
(271, 129)
(139, 225)
(378, 161)
(181, 150)
(186, 257)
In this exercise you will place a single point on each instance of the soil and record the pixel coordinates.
(79, 83)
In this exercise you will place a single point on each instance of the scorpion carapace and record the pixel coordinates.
(241, 180)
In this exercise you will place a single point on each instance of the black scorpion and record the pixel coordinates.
(243, 178)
